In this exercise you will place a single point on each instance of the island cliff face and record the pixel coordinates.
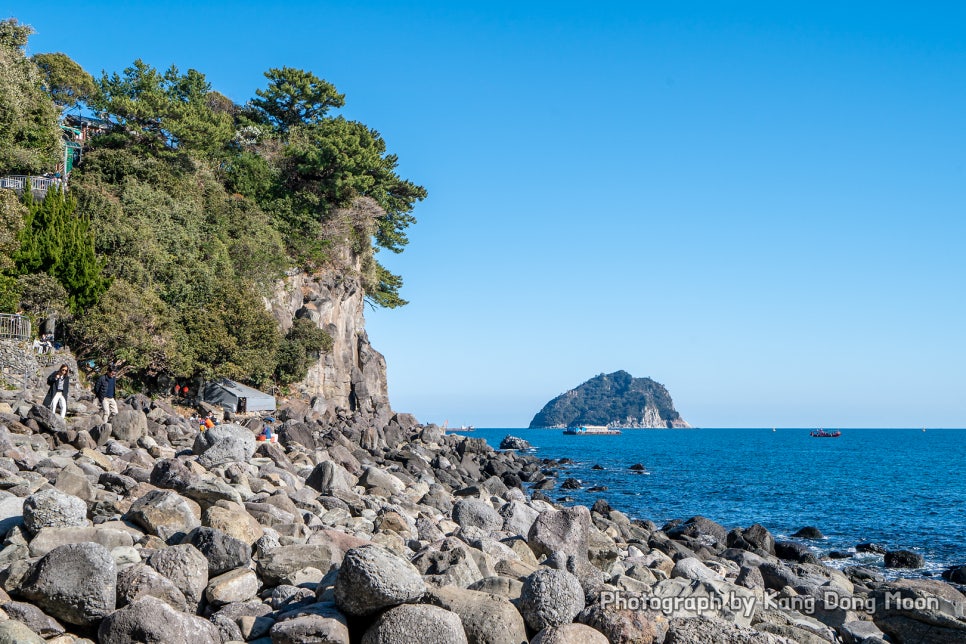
(617, 400)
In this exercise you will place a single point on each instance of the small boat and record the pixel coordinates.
(821, 433)
(462, 428)
(591, 430)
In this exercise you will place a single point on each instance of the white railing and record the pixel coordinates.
(14, 327)
(40, 185)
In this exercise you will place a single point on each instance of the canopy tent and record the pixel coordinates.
(236, 397)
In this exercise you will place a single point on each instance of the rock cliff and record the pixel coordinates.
(352, 376)
(617, 399)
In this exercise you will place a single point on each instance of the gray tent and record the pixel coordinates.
(238, 398)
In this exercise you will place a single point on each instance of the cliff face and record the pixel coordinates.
(617, 400)
(352, 376)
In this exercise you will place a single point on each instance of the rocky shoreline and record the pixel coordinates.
(145, 530)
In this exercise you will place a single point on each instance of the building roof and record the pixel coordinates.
(241, 390)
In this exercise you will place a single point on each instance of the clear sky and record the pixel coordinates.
(760, 205)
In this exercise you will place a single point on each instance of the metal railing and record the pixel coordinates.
(14, 327)
(38, 185)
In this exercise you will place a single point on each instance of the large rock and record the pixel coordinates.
(755, 539)
(569, 634)
(702, 630)
(550, 598)
(237, 585)
(328, 477)
(924, 611)
(152, 621)
(410, 623)
(518, 517)
(141, 580)
(224, 444)
(129, 425)
(487, 619)
(52, 508)
(310, 629)
(372, 578)
(690, 597)
(223, 552)
(49, 538)
(14, 632)
(186, 567)
(37, 620)
(279, 565)
(564, 531)
(75, 583)
(165, 513)
(473, 513)
(701, 529)
(904, 559)
(233, 519)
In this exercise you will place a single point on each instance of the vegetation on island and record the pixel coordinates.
(185, 210)
(616, 399)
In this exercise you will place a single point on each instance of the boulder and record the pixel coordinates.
(328, 477)
(473, 513)
(701, 529)
(153, 621)
(224, 444)
(513, 442)
(408, 623)
(279, 565)
(129, 425)
(702, 629)
(165, 513)
(791, 551)
(223, 552)
(16, 632)
(550, 598)
(569, 634)
(141, 580)
(486, 618)
(925, 611)
(310, 628)
(52, 508)
(36, 620)
(75, 583)
(809, 532)
(237, 585)
(755, 538)
(186, 567)
(49, 538)
(372, 578)
(904, 559)
(518, 517)
(564, 531)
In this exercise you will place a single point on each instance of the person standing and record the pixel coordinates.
(104, 390)
(58, 383)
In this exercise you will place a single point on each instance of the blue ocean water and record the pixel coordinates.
(901, 488)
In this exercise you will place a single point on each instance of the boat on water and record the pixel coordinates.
(462, 428)
(821, 433)
(592, 430)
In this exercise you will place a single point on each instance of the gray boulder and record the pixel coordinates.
(328, 477)
(569, 634)
(279, 565)
(473, 513)
(416, 623)
(16, 632)
(140, 580)
(550, 597)
(904, 559)
(75, 583)
(186, 567)
(129, 425)
(52, 508)
(372, 578)
(564, 531)
(224, 444)
(153, 621)
(310, 628)
(486, 618)
(164, 513)
(37, 620)
(223, 552)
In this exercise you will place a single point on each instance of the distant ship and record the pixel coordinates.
(821, 433)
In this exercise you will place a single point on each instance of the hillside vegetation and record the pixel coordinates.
(184, 211)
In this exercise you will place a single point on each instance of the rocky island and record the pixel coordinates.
(615, 400)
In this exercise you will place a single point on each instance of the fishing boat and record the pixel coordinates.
(592, 430)
(821, 433)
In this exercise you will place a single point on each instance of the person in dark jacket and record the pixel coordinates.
(58, 383)
(104, 390)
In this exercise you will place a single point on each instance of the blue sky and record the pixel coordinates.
(760, 206)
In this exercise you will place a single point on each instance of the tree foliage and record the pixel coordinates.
(294, 97)
(29, 134)
(65, 81)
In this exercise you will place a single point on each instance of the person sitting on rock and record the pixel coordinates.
(59, 386)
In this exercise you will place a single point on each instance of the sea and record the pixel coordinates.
(899, 488)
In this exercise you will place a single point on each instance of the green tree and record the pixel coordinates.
(169, 110)
(42, 296)
(56, 241)
(29, 133)
(64, 80)
(295, 97)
